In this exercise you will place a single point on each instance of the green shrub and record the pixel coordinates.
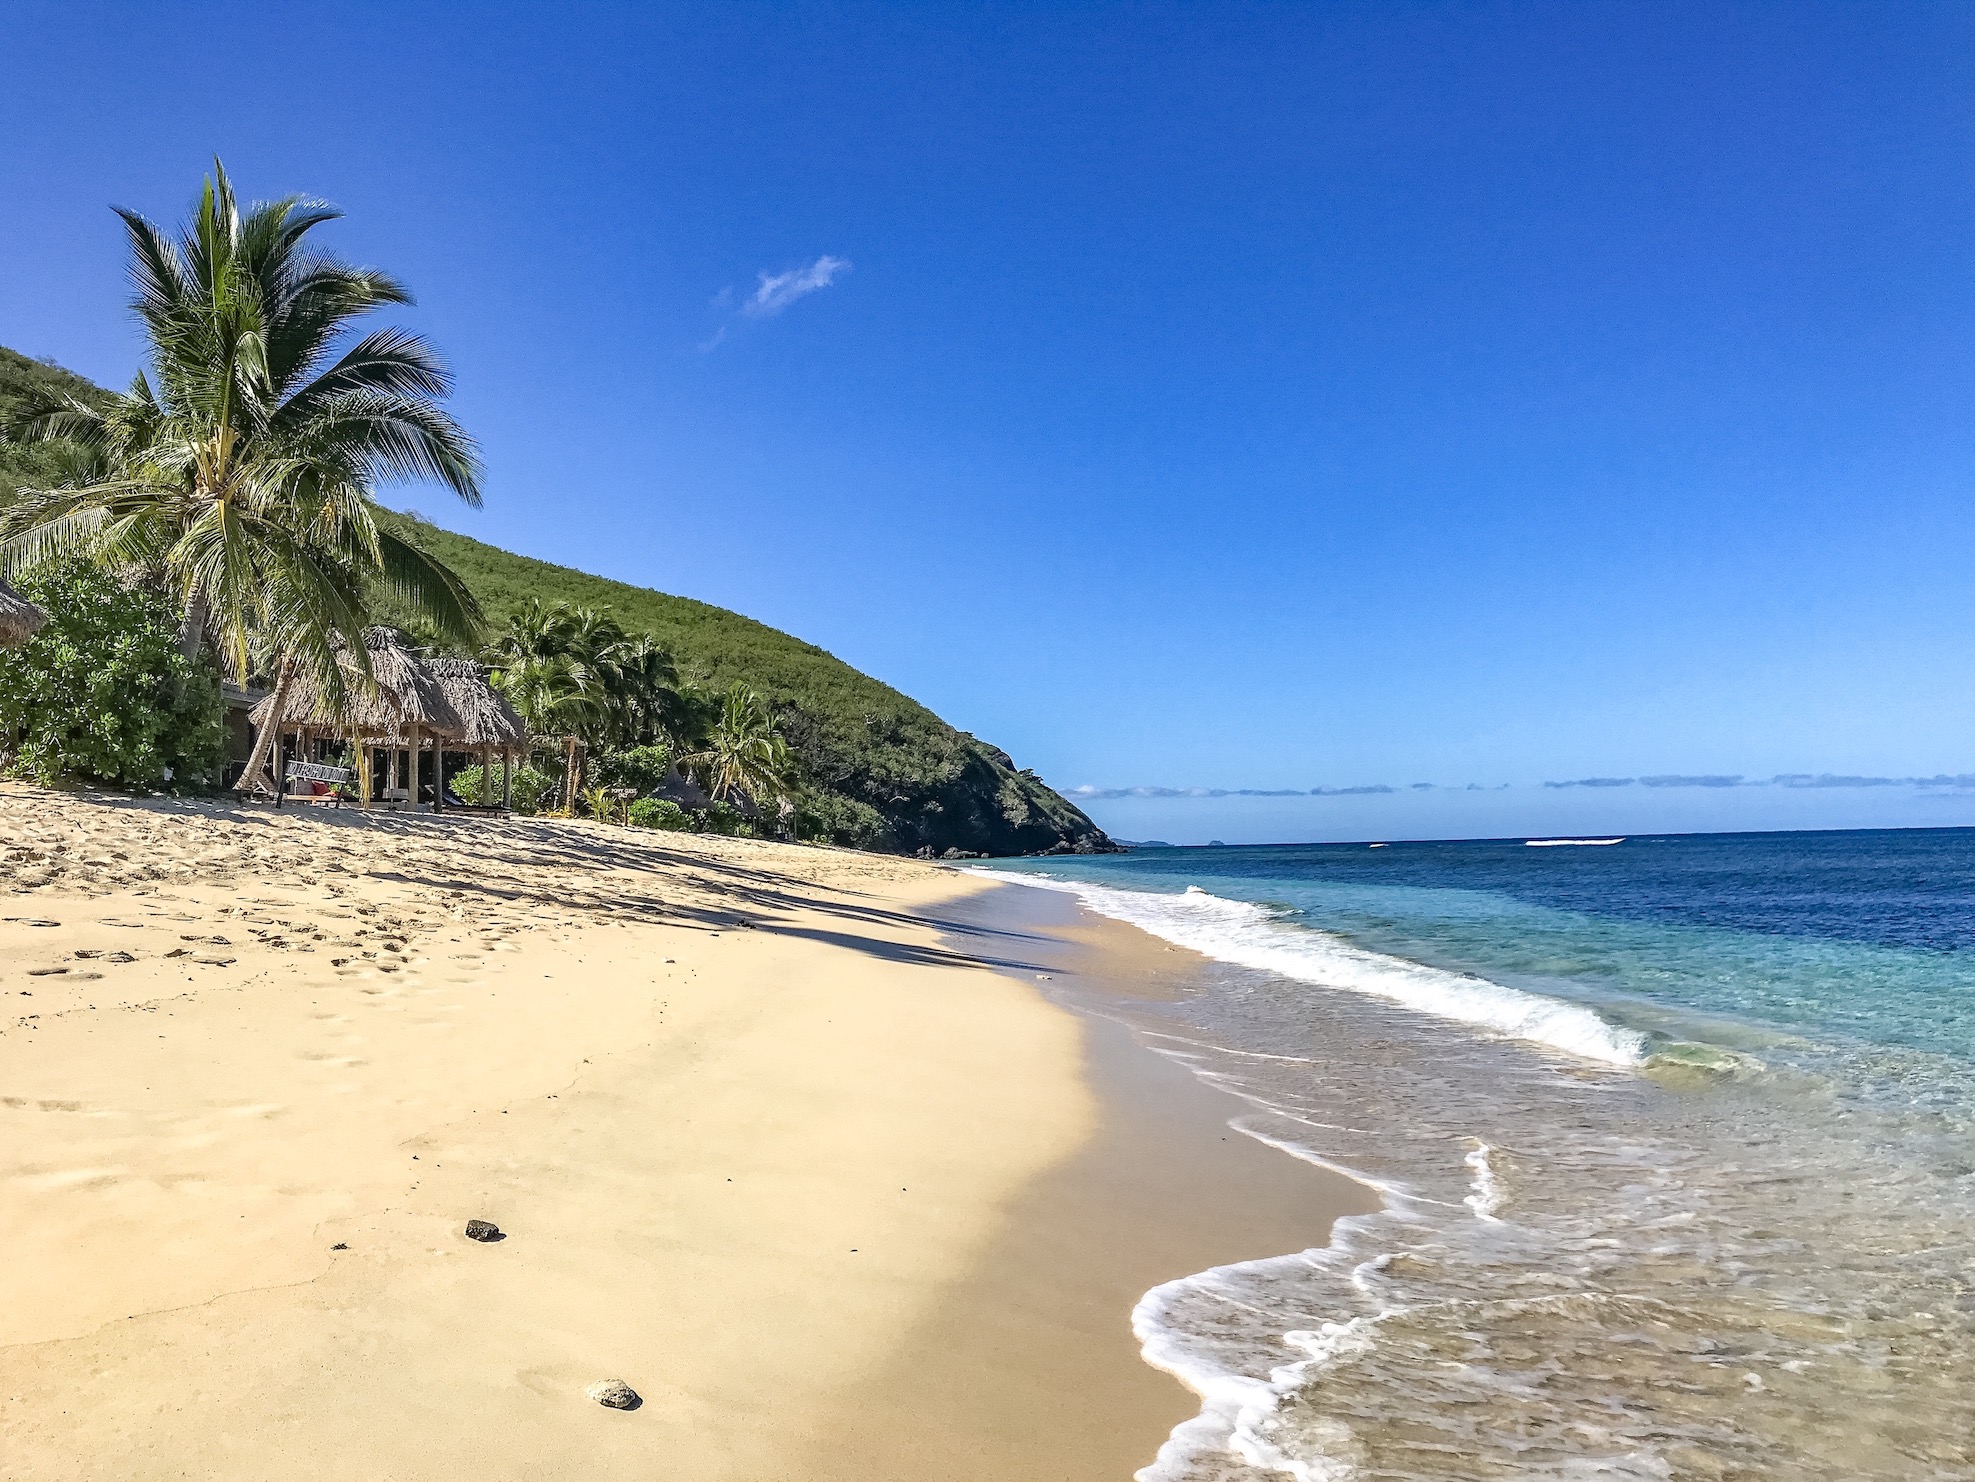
(723, 818)
(658, 813)
(641, 768)
(103, 692)
(531, 788)
(831, 818)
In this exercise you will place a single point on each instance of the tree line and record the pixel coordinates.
(236, 480)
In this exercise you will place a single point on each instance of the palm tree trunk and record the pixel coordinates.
(569, 779)
(264, 739)
(192, 626)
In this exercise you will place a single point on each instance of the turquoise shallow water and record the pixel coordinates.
(1677, 1138)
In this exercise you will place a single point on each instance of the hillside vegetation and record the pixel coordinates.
(20, 379)
(880, 768)
(906, 778)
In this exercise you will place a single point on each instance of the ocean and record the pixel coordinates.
(1675, 1138)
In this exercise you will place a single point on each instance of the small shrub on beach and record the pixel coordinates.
(641, 768)
(830, 818)
(721, 818)
(530, 787)
(658, 813)
(103, 691)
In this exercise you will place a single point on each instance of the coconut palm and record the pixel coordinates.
(245, 471)
(555, 695)
(745, 755)
(644, 684)
(597, 686)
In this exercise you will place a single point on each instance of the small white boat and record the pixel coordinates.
(1556, 843)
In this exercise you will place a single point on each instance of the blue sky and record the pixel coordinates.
(1195, 397)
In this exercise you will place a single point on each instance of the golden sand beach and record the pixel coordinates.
(786, 1139)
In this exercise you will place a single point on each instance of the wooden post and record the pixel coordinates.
(438, 773)
(415, 760)
(507, 778)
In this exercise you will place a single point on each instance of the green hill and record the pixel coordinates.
(884, 770)
(20, 378)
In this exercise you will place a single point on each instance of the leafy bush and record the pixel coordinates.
(831, 818)
(531, 788)
(722, 818)
(103, 692)
(658, 813)
(641, 768)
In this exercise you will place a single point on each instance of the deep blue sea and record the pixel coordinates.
(1676, 1136)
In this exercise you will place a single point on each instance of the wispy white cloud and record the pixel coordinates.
(779, 290)
(1960, 782)
(1089, 792)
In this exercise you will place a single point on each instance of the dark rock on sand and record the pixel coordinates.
(484, 1231)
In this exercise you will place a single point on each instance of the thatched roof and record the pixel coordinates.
(482, 714)
(20, 619)
(448, 697)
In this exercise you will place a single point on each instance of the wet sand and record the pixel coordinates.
(789, 1140)
(1029, 1369)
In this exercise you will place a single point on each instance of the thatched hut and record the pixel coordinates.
(20, 619)
(484, 723)
(412, 705)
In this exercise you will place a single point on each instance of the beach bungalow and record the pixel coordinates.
(416, 708)
(20, 619)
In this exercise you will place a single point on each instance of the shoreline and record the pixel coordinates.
(751, 1133)
(1163, 1188)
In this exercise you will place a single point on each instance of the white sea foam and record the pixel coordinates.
(1489, 1196)
(1414, 1335)
(1252, 936)
(1236, 1409)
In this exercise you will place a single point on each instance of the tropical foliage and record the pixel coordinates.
(242, 468)
(656, 813)
(745, 758)
(574, 674)
(104, 692)
(878, 770)
(532, 788)
(24, 383)
(639, 769)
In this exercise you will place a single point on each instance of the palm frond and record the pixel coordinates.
(73, 532)
(431, 589)
(389, 363)
(398, 437)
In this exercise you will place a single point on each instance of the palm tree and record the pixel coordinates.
(644, 692)
(247, 475)
(556, 695)
(745, 755)
(595, 685)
